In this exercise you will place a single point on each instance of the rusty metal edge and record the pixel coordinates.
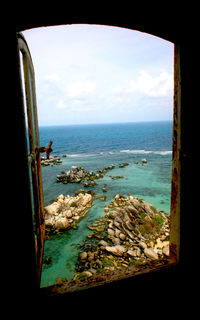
(29, 77)
(57, 290)
(176, 162)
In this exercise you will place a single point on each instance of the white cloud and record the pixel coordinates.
(153, 86)
(80, 89)
(61, 104)
(117, 90)
(82, 70)
(52, 77)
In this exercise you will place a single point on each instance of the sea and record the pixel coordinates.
(94, 147)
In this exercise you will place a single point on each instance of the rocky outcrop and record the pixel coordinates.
(131, 232)
(51, 161)
(65, 212)
(140, 225)
(79, 174)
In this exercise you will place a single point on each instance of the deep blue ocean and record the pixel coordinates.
(95, 147)
(97, 138)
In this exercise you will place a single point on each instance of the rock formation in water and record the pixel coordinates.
(65, 212)
(78, 174)
(132, 232)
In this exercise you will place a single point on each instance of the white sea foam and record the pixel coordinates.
(136, 151)
(160, 152)
(163, 153)
(81, 155)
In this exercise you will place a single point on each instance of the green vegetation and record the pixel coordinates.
(159, 220)
(142, 215)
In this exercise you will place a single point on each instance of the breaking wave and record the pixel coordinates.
(163, 153)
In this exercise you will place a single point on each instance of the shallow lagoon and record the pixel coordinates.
(95, 147)
(151, 181)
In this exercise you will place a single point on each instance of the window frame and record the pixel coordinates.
(174, 257)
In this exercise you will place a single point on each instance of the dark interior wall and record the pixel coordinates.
(170, 25)
(164, 29)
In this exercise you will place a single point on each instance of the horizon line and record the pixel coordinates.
(102, 123)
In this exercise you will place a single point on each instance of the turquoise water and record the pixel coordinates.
(96, 147)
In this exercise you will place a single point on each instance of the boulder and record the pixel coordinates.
(62, 223)
(87, 273)
(165, 251)
(132, 253)
(144, 160)
(122, 236)
(142, 245)
(117, 233)
(150, 253)
(138, 252)
(111, 232)
(115, 240)
(83, 256)
(117, 197)
(61, 196)
(103, 243)
(116, 250)
(113, 214)
(74, 168)
(76, 218)
(85, 199)
(52, 209)
(67, 213)
(50, 221)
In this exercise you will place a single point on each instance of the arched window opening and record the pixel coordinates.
(106, 100)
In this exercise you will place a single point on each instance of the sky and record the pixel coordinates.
(100, 74)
